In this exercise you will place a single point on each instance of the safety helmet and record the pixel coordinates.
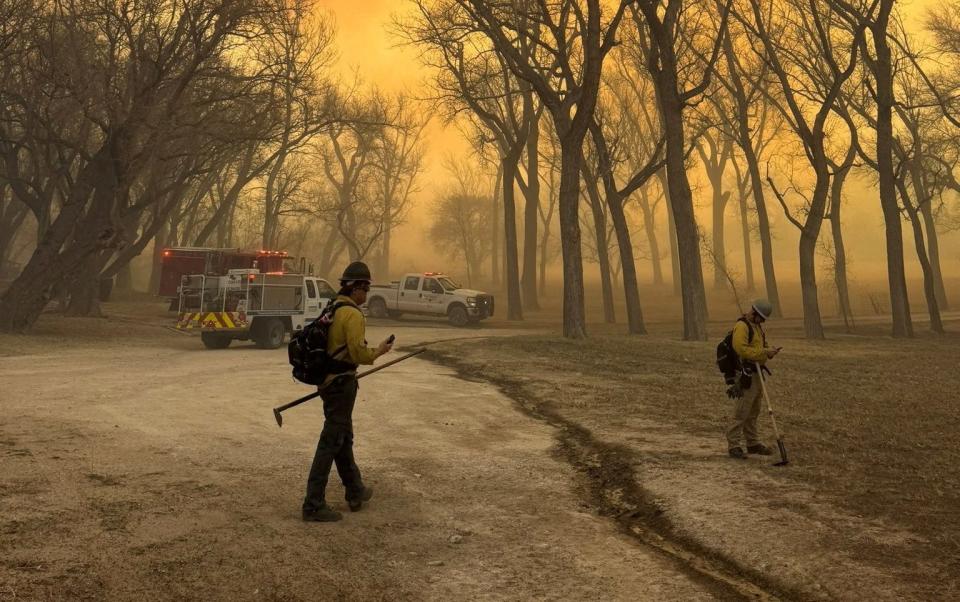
(356, 271)
(763, 308)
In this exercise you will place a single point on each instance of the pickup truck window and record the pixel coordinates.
(448, 284)
(311, 290)
(326, 291)
(432, 285)
(412, 283)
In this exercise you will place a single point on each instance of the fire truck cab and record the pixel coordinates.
(247, 304)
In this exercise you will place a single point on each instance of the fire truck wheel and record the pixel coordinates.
(270, 333)
(378, 308)
(215, 340)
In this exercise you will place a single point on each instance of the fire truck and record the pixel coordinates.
(248, 304)
(177, 262)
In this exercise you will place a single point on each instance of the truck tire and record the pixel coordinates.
(215, 340)
(378, 308)
(269, 333)
(458, 315)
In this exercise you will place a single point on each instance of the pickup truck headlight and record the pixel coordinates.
(471, 301)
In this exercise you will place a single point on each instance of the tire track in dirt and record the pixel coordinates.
(609, 485)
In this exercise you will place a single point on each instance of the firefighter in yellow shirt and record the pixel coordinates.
(750, 344)
(347, 345)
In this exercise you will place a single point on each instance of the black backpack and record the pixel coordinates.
(727, 359)
(307, 350)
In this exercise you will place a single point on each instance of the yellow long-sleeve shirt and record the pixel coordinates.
(349, 329)
(752, 351)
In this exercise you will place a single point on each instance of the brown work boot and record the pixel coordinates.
(759, 449)
(356, 503)
(736, 452)
(323, 514)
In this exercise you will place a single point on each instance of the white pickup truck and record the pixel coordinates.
(429, 294)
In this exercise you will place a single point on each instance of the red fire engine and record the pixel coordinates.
(178, 262)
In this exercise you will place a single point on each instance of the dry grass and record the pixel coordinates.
(871, 423)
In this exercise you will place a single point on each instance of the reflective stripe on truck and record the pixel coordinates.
(212, 320)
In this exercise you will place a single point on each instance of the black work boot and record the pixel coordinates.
(323, 514)
(760, 449)
(356, 502)
(736, 452)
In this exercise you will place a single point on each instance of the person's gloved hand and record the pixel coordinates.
(735, 392)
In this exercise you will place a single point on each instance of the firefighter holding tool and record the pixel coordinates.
(347, 348)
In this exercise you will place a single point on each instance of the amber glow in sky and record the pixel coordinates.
(366, 46)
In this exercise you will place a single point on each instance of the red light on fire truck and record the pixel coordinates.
(167, 253)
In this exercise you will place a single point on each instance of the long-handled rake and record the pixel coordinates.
(783, 450)
(278, 410)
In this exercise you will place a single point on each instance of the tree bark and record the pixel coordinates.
(933, 250)
(693, 295)
(531, 217)
(929, 287)
(156, 263)
(839, 249)
(603, 246)
(896, 276)
(514, 303)
(495, 273)
(650, 227)
(30, 293)
(574, 316)
(672, 232)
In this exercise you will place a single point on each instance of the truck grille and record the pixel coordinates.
(485, 305)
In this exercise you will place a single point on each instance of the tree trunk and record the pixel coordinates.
(747, 249)
(603, 254)
(809, 233)
(631, 288)
(125, 278)
(929, 286)
(514, 303)
(85, 288)
(574, 318)
(30, 293)
(681, 200)
(883, 72)
(763, 223)
(650, 226)
(672, 231)
(718, 242)
(933, 250)
(745, 142)
(839, 249)
(495, 244)
(531, 220)
(544, 247)
(156, 263)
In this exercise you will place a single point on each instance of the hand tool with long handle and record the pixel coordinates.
(278, 410)
(783, 450)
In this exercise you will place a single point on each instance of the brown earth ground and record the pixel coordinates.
(869, 507)
(135, 464)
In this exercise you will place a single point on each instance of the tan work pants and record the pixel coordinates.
(745, 414)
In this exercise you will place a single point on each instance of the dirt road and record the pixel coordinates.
(153, 469)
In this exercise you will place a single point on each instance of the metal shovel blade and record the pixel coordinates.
(783, 454)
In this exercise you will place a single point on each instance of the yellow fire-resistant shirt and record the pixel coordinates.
(753, 351)
(349, 328)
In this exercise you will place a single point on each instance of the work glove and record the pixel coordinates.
(734, 391)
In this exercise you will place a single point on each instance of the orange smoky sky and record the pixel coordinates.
(366, 47)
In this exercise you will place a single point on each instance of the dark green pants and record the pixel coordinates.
(336, 444)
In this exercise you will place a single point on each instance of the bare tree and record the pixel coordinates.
(663, 26)
(398, 162)
(811, 58)
(572, 40)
